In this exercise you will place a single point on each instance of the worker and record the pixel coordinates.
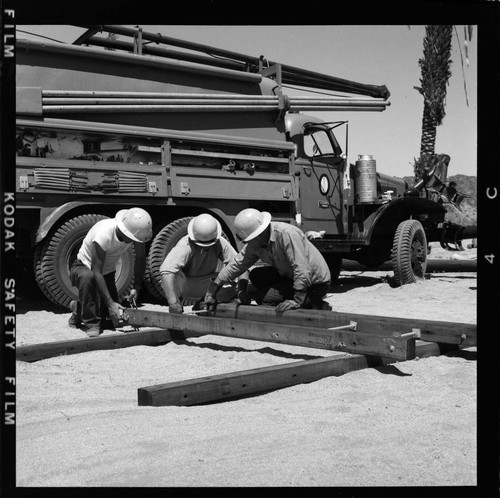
(195, 259)
(295, 274)
(93, 272)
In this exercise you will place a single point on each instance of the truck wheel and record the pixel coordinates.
(409, 252)
(37, 266)
(334, 262)
(26, 285)
(54, 257)
(162, 244)
(148, 277)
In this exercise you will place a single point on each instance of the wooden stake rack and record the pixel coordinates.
(365, 341)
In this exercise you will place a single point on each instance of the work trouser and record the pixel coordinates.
(270, 288)
(92, 308)
(189, 287)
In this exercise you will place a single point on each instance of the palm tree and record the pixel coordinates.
(435, 72)
(435, 69)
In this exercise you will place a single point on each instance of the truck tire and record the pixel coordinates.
(26, 285)
(164, 241)
(54, 257)
(409, 252)
(37, 266)
(149, 277)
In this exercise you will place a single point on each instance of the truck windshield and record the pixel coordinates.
(317, 142)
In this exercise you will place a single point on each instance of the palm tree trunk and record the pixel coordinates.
(429, 131)
(435, 68)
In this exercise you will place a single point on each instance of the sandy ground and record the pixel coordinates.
(411, 423)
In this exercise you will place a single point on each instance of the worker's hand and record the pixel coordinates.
(133, 295)
(289, 304)
(210, 303)
(242, 296)
(176, 308)
(130, 300)
(210, 299)
(115, 311)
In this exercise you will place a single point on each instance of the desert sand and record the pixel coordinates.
(410, 423)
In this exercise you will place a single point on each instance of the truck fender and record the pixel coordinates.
(55, 215)
(402, 208)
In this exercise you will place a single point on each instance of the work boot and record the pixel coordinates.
(93, 332)
(74, 320)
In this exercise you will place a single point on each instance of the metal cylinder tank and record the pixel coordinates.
(365, 179)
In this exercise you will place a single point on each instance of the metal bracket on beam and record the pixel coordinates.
(269, 71)
(415, 333)
(138, 42)
(351, 326)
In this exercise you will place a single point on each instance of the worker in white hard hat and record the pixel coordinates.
(196, 259)
(93, 272)
(295, 274)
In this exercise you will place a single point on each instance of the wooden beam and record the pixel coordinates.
(433, 265)
(36, 352)
(224, 387)
(463, 334)
(248, 382)
(399, 348)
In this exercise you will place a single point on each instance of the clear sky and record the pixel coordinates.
(378, 55)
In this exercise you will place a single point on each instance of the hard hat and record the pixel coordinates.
(204, 230)
(249, 223)
(135, 223)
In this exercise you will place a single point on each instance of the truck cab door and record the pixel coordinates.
(325, 187)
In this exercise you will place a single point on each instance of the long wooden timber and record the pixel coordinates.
(398, 348)
(36, 352)
(250, 382)
(433, 266)
(441, 332)
(462, 334)
(224, 387)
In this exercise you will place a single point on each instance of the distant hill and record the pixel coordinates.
(467, 214)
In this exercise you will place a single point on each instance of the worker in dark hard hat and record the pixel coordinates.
(93, 272)
(196, 259)
(295, 276)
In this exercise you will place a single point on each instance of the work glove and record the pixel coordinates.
(176, 308)
(289, 304)
(210, 297)
(242, 297)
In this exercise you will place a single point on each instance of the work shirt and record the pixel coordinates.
(104, 233)
(289, 251)
(197, 261)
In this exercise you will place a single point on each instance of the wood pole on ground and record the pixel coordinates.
(399, 348)
(463, 334)
(36, 352)
(224, 387)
